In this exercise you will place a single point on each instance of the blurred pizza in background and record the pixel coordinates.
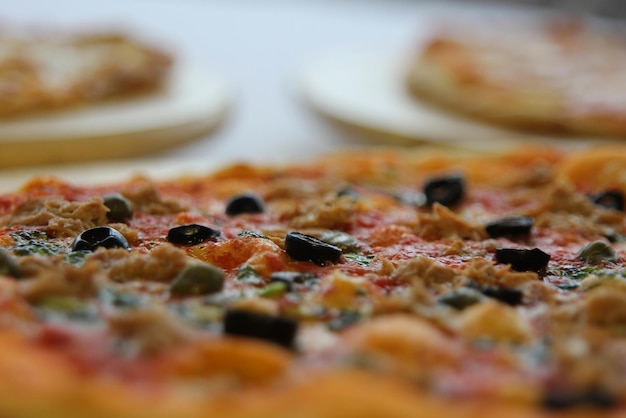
(69, 95)
(551, 74)
(46, 70)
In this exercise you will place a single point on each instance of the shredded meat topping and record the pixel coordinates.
(160, 265)
(606, 305)
(150, 329)
(563, 208)
(442, 223)
(496, 321)
(287, 188)
(330, 214)
(60, 217)
(51, 276)
(147, 199)
(427, 271)
(483, 272)
(417, 347)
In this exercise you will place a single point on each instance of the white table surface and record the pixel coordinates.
(257, 47)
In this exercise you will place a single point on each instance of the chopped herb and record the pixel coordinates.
(568, 277)
(38, 243)
(573, 272)
(273, 289)
(340, 239)
(360, 259)
(568, 285)
(348, 191)
(289, 278)
(247, 233)
(248, 274)
(227, 297)
(66, 307)
(120, 298)
(614, 273)
(198, 314)
(410, 198)
(75, 257)
(35, 243)
(345, 319)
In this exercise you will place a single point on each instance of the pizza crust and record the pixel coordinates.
(28, 392)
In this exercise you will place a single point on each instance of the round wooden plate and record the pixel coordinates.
(365, 91)
(191, 105)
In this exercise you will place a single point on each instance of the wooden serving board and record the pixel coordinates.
(192, 104)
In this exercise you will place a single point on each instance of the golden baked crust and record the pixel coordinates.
(416, 316)
(551, 74)
(47, 71)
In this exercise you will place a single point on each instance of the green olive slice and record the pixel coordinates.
(120, 208)
(597, 251)
(197, 279)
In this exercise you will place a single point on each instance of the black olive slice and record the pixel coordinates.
(511, 226)
(610, 199)
(279, 330)
(192, 234)
(100, 236)
(303, 247)
(120, 208)
(447, 191)
(594, 397)
(523, 259)
(245, 203)
(508, 295)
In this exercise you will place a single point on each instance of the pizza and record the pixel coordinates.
(550, 74)
(51, 70)
(369, 283)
